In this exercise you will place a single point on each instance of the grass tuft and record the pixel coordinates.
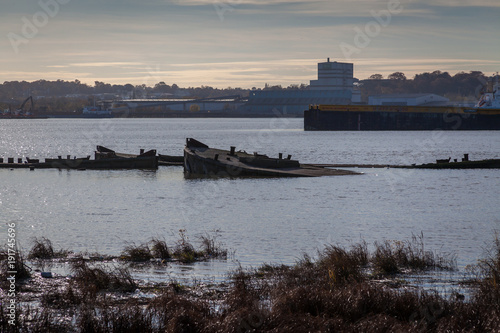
(331, 294)
(342, 266)
(212, 248)
(184, 251)
(92, 280)
(43, 249)
(137, 253)
(159, 249)
(384, 259)
(391, 257)
(489, 283)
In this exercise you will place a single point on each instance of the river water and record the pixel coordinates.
(260, 220)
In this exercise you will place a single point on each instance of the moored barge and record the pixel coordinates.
(396, 118)
(485, 115)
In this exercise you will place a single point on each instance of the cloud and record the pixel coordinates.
(239, 2)
(248, 74)
(106, 64)
(257, 42)
(464, 3)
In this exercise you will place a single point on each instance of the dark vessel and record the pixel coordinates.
(105, 153)
(465, 163)
(139, 162)
(396, 118)
(202, 161)
(484, 116)
(165, 160)
(170, 159)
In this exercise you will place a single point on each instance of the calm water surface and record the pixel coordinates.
(261, 220)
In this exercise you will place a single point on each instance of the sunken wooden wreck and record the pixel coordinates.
(170, 160)
(106, 153)
(106, 161)
(465, 163)
(103, 152)
(202, 161)
(447, 163)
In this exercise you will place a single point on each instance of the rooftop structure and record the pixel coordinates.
(333, 76)
(333, 86)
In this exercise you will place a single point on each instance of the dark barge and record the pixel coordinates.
(396, 118)
(202, 161)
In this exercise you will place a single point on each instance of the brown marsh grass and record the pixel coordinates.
(336, 292)
(90, 280)
(43, 249)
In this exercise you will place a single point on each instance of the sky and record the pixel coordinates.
(242, 43)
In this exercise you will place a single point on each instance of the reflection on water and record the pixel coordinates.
(261, 220)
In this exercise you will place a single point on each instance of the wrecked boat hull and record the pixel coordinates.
(146, 163)
(203, 161)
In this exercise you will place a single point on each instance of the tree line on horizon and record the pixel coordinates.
(459, 87)
(73, 95)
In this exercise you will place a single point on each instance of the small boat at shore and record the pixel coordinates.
(202, 161)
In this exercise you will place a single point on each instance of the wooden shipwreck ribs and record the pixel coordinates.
(103, 161)
(202, 161)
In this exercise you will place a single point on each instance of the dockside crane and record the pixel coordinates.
(20, 110)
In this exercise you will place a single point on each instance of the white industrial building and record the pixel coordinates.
(333, 86)
(333, 76)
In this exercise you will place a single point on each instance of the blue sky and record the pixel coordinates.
(242, 43)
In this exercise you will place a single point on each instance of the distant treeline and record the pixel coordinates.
(43, 88)
(73, 95)
(459, 87)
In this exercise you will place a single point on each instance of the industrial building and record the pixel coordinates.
(165, 107)
(333, 86)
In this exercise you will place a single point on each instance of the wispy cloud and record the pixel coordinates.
(258, 42)
(464, 3)
(106, 64)
(240, 2)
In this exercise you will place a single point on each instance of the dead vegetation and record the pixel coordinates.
(183, 250)
(12, 265)
(43, 249)
(337, 292)
(136, 253)
(390, 257)
(90, 280)
(159, 249)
